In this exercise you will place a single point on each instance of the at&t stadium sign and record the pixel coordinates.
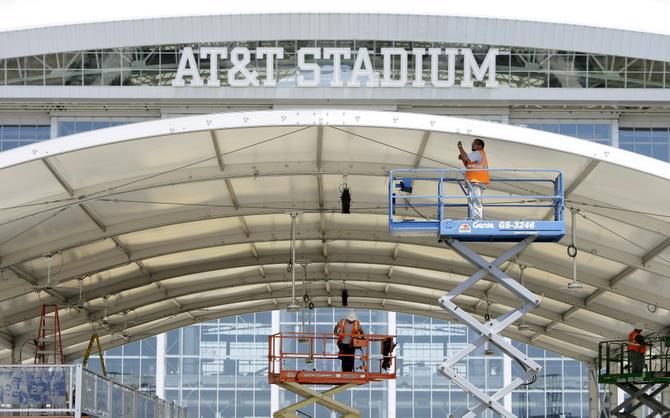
(362, 74)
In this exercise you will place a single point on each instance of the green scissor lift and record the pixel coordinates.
(642, 387)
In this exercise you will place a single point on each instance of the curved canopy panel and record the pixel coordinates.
(138, 229)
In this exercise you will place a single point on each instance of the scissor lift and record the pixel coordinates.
(642, 388)
(300, 360)
(437, 202)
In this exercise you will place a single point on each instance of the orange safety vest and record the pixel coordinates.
(478, 176)
(355, 329)
(633, 345)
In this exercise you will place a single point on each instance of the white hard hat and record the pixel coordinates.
(351, 315)
(639, 325)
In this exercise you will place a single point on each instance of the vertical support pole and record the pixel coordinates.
(161, 346)
(110, 400)
(293, 218)
(391, 400)
(594, 398)
(274, 389)
(293, 306)
(78, 390)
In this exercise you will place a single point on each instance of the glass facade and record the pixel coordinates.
(219, 369)
(133, 364)
(75, 126)
(600, 132)
(156, 65)
(652, 142)
(18, 135)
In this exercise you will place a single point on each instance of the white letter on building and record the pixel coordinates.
(434, 69)
(187, 58)
(363, 60)
(270, 63)
(470, 67)
(337, 54)
(240, 57)
(214, 54)
(314, 68)
(388, 80)
(418, 67)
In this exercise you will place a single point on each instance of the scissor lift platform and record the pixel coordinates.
(642, 388)
(300, 359)
(440, 203)
(447, 211)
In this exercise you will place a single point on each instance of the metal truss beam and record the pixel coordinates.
(272, 169)
(169, 322)
(173, 317)
(311, 232)
(383, 258)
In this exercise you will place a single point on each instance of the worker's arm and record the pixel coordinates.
(335, 330)
(463, 156)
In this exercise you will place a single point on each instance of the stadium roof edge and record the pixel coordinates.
(334, 26)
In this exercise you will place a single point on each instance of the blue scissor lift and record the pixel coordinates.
(521, 206)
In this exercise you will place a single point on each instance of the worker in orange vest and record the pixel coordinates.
(479, 179)
(346, 329)
(637, 348)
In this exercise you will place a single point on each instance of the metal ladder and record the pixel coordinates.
(49, 344)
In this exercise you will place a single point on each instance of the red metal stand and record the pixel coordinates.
(48, 344)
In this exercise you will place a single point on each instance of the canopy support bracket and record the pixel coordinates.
(489, 331)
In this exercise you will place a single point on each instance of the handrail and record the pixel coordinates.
(310, 357)
(410, 189)
(613, 360)
(77, 391)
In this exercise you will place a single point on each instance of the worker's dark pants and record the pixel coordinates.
(347, 356)
(636, 361)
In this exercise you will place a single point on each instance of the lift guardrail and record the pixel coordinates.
(438, 201)
(614, 367)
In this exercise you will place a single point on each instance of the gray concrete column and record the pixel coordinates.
(161, 347)
(391, 399)
(594, 396)
(274, 389)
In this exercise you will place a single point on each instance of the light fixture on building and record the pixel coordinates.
(488, 351)
(523, 326)
(345, 297)
(345, 196)
(574, 285)
(293, 306)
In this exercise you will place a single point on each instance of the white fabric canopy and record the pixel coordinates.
(152, 226)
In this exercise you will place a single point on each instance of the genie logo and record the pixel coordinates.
(482, 225)
(464, 229)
